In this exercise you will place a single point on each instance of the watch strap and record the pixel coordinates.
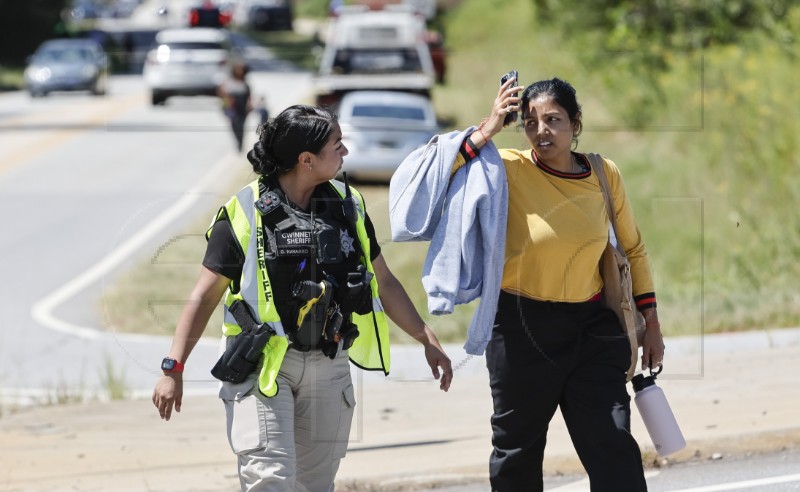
(177, 366)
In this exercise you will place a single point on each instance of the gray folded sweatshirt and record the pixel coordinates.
(464, 218)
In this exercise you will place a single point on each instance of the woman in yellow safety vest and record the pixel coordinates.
(306, 289)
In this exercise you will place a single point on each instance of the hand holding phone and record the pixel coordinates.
(511, 116)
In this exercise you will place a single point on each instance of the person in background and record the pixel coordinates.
(236, 103)
(295, 252)
(262, 111)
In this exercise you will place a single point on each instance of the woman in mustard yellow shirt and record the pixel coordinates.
(554, 343)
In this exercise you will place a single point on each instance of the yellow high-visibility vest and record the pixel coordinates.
(369, 351)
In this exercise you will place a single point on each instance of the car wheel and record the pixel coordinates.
(158, 99)
(99, 89)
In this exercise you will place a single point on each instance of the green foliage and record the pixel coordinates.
(643, 38)
(11, 78)
(655, 25)
(315, 9)
(113, 381)
(25, 24)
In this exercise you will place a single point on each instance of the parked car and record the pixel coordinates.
(379, 128)
(208, 14)
(270, 15)
(187, 62)
(67, 65)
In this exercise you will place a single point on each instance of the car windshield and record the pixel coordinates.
(64, 55)
(194, 45)
(394, 112)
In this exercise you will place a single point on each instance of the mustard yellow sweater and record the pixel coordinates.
(558, 228)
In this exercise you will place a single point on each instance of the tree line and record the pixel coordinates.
(24, 24)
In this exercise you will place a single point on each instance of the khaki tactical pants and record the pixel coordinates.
(294, 440)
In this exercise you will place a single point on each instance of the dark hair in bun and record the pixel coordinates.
(281, 140)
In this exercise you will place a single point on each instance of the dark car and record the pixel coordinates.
(271, 15)
(209, 15)
(67, 65)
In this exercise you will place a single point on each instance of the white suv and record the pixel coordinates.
(187, 62)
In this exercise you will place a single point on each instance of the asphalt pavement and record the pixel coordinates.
(732, 394)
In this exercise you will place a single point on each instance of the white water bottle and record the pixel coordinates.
(657, 415)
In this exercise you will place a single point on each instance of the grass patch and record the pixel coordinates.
(62, 393)
(11, 78)
(708, 164)
(149, 298)
(113, 381)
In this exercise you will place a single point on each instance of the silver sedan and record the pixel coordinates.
(380, 128)
(67, 65)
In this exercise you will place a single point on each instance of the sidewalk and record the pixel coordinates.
(740, 395)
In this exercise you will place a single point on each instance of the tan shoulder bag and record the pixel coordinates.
(616, 272)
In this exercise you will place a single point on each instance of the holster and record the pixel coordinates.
(339, 335)
(322, 322)
(312, 315)
(243, 353)
(356, 296)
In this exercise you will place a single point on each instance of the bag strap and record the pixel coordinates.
(598, 166)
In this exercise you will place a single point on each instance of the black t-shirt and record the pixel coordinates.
(224, 256)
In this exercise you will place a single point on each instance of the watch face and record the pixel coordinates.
(168, 364)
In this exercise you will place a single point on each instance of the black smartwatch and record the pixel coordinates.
(171, 365)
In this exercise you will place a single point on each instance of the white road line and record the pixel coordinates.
(583, 485)
(745, 484)
(42, 310)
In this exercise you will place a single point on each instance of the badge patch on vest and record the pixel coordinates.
(294, 243)
(347, 243)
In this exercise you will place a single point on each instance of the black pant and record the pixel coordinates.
(543, 355)
(237, 126)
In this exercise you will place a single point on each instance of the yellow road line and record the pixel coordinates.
(48, 143)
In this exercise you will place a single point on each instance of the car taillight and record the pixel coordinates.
(194, 17)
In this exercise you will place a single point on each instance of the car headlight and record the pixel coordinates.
(162, 54)
(39, 74)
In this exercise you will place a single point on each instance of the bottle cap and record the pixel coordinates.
(641, 382)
